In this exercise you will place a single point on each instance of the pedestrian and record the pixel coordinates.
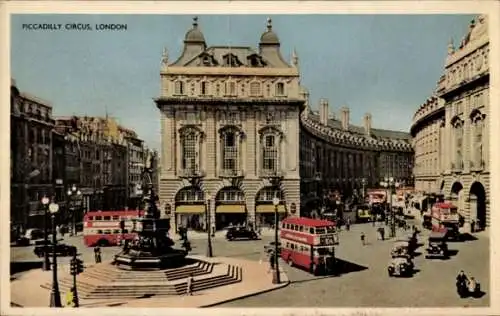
(271, 261)
(348, 224)
(363, 242)
(189, 284)
(70, 297)
(97, 254)
(473, 226)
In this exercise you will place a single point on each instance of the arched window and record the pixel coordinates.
(230, 141)
(270, 153)
(458, 135)
(190, 145)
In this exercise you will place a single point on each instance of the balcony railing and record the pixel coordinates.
(457, 166)
(191, 173)
(477, 165)
(228, 173)
(265, 173)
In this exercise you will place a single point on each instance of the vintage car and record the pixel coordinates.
(61, 250)
(241, 233)
(427, 221)
(437, 247)
(400, 248)
(363, 213)
(401, 266)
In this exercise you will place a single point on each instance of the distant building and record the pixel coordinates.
(31, 157)
(451, 129)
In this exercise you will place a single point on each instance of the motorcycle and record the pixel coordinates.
(464, 289)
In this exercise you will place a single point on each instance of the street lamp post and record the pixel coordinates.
(209, 228)
(46, 262)
(390, 184)
(73, 193)
(55, 296)
(363, 183)
(276, 274)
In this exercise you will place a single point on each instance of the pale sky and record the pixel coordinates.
(383, 64)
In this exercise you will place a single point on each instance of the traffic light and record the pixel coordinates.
(73, 266)
(79, 266)
(76, 266)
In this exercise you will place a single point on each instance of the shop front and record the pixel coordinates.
(264, 214)
(227, 215)
(190, 216)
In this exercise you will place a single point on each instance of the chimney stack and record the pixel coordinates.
(323, 111)
(367, 122)
(344, 117)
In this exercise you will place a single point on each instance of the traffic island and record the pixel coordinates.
(215, 281)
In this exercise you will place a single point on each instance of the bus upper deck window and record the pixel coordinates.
(98, 218)
(107, 218)
(115, 217)
(311, 230)
(301, 228)
(91, 218)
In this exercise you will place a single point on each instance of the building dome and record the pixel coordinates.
(269, 37)
(194, 35)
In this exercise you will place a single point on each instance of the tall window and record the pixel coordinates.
(458, 145)
(229, 151)
(204, 88)
(280, 89)
(270, 153)
(478, 125)
(189, 151)
(179, 88)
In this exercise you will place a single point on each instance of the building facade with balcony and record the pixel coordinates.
(230, 132)
(460, 123)
(31, 157)
(337, 156)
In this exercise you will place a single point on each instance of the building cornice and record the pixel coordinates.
(439, 112)
(163, 101)
(230, 71)
(350, 140)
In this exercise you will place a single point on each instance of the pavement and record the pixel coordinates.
(27, 292)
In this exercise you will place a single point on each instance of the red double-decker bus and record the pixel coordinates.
(309, 243)
(103, 227)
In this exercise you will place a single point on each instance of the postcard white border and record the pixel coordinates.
(492, 8)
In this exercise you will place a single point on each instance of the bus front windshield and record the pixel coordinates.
(323, 251)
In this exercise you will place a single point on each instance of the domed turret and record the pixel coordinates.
(269, 37)
(194, 35)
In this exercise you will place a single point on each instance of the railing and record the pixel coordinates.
(477, 166)
(191, 173)
(263, 173)
(228, 173)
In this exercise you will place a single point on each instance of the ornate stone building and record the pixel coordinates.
(338, 156)
(31, 157)
(233, 137)
(458, 125)
(230, 131)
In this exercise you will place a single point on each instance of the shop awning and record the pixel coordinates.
(269, 208)
(190, 209)
(230, 208)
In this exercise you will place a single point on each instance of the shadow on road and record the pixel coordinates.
(344, 267)
(466, 237)
(22, 266)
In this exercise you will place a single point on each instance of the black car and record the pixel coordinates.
(241, 233)
(61, 250)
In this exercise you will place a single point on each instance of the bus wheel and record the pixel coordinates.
(103, 243)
